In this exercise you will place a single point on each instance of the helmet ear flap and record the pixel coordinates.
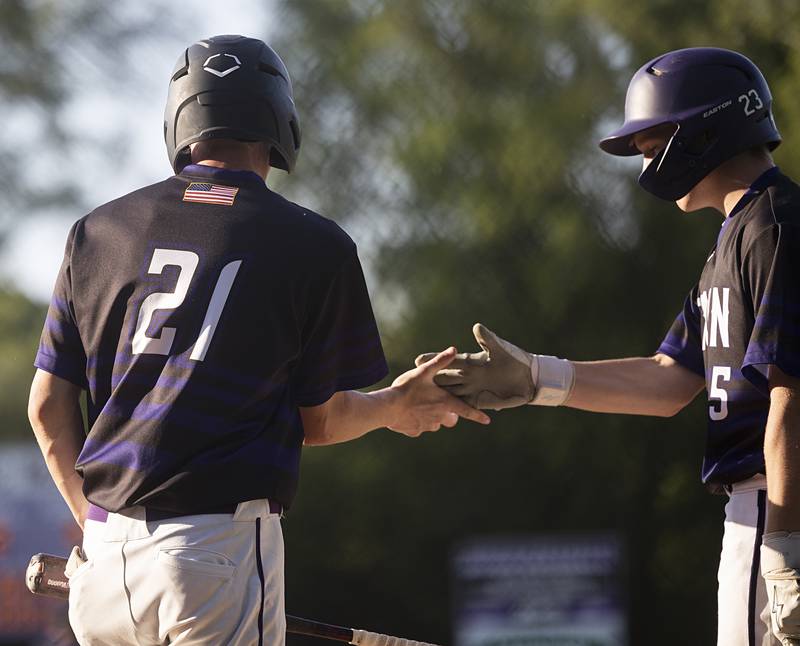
(670, 174)
(699, 144)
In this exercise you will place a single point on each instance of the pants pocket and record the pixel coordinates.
(199, 561)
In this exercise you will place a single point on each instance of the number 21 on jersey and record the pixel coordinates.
(187, 262)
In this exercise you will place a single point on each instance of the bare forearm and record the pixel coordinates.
(412, 405)
(637, 386)
(782, 458)
(353, 414)
(55, 416)
(60, 455)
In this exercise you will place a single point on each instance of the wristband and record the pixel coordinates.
(780, 551)
(554, 379)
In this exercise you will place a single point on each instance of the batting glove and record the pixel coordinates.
(505, 376)
(780, 567)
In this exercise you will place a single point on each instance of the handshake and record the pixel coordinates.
(503, 375)
(500, 376)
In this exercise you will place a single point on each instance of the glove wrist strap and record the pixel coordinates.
(780, 551)
(554, 379)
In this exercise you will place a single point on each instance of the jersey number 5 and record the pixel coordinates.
(717, 392)
(187, 262)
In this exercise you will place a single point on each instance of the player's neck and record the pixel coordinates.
(242, 163)
(735, 177)
(722, 189)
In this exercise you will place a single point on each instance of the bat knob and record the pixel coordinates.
(33, 575)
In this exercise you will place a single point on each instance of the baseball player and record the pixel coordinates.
(215, 327)
(701, 118)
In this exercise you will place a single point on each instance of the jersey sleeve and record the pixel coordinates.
(683, 342)
(771, 277)
(61, 351)
(341, 346)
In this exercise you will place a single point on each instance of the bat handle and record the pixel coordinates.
(364, 638)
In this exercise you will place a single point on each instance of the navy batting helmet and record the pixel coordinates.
(231, 87)
(719, 103)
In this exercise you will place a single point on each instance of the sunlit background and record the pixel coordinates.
(455, 141)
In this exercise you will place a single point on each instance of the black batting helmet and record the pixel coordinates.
(231, 87)
(719, 103)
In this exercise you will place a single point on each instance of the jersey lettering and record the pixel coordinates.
(187, 261)
(716, 314)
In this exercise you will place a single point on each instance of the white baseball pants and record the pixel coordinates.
(743, 608)
(188, 580)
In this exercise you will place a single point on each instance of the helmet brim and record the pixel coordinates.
(620, 142)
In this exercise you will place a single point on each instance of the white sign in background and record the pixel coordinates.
(539, 590)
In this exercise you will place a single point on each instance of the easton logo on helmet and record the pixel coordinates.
(221, 72)
(716, 109)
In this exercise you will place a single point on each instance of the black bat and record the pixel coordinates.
(45, 576)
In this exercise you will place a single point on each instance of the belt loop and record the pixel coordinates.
(275, 508)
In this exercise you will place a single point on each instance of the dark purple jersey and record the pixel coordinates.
(743, 316)
(199, 313)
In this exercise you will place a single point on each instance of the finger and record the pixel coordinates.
(423, 358)
(474, 359)
(433, 428)
(450, 420)
(464, 361)
(439, 362)
(448, 377)
(463, 410)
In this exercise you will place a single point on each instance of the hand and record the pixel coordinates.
(502, 376)
(423, 406)
(780, 556)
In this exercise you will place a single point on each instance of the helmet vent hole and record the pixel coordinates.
(269, 69)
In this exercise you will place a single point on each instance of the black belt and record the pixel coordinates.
(154, 515)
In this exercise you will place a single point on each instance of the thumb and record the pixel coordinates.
(440, 361)
(485, 338)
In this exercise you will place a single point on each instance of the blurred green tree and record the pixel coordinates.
(456, 140)
(20, 326)
(48, 48)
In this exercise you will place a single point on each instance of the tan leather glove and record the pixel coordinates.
(780, 567)
(504, 376)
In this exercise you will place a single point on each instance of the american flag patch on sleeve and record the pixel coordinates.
(206, 193)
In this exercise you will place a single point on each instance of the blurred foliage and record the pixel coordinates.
(456, 141)
(49, 48)
(20, 326)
